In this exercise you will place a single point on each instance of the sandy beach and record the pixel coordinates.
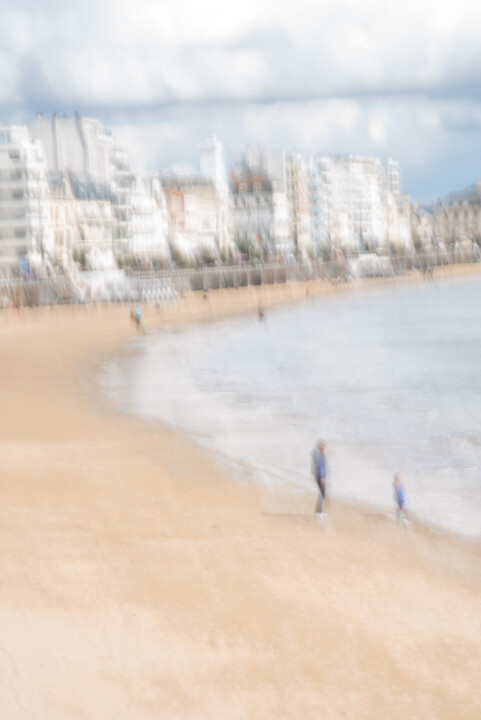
(139, 581)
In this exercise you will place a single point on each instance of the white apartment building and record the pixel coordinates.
(212, 167)
(320, 240)
(354, 188)
(394, 177)
(25, 230)
(149, 220)
(81, 147)
(373, 211)
(121, 183)
(212, 163)
(62, 220)
(343, 201)
(77, 145)
(94, 223)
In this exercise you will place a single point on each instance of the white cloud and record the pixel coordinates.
(337, 75)
(415, 131)
(150, 52)
(377, 132)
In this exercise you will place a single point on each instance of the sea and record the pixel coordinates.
(389, 377)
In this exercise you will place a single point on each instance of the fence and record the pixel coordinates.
(164, 285)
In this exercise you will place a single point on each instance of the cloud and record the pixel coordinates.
(434, 158)
(387, 78)
(150, 53)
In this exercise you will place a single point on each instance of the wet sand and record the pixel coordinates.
(138, 581)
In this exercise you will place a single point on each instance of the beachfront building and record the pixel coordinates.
(83, 223)
(361, 207)
(260, 206)
(77, 145)
(149, 221)
(213, 168)
(121, 184)
(25, 232)
(399, 212)
(394, 180)
(422, 227)
(263, 160)
(192, 210)
(81, 147)
(399, 224)
(93, 244)
(62, 220)
(212, 163)
(297, 192)
(334, 201)
(355, 189)
(320, 240)
(260, 215)
(458, 216)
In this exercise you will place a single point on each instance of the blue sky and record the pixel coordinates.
(390, 79)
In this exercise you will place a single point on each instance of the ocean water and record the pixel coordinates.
(390, 378)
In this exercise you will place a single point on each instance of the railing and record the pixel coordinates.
(221, 277)
(164, 285)
(32, 293)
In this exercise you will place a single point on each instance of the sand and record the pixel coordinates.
(140, 581)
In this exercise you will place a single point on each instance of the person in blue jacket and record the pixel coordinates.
(400, 498)
(319, 470)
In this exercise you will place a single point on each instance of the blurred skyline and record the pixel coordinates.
(383, 79)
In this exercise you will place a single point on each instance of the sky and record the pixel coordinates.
(380, 78)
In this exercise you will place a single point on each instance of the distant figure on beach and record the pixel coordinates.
(260, 311)
(319, 470)
(400, 498)
(138, 318)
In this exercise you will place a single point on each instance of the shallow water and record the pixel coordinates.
(391, 379)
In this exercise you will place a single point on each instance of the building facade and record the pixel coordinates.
(458, 217)
(260, 216)
(25, 231)
(191, 202)
(149, 221)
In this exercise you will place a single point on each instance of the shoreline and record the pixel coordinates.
(291, 297)
(139, 581)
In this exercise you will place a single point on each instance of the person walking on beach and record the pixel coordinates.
(138, 318)
(400, 498)
(319, 470)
